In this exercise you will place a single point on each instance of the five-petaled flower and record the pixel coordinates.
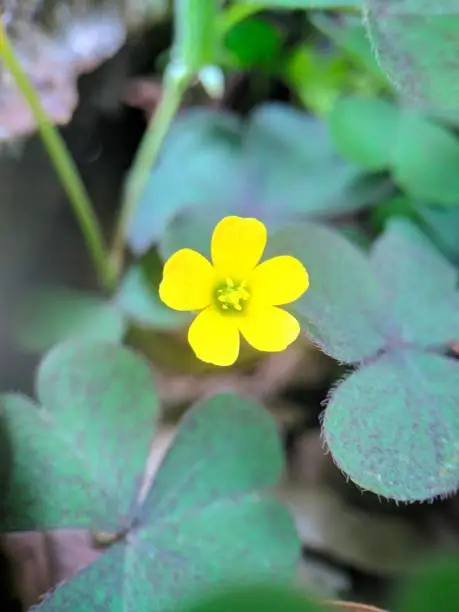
(235, 294)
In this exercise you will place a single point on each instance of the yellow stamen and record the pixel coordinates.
(231, 294)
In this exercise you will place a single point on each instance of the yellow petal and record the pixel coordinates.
(269, 329)
(237, 246)
(187, 281)
(214, 338)
(279, 280)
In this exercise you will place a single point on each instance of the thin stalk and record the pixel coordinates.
(63, 164)
(174, 89)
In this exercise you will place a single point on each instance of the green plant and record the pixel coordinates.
(77, 456)
(357, 150)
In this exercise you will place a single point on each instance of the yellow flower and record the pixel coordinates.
(235, 293)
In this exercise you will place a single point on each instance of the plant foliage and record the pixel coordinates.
(392, 425)
(77, 460)
(400, 29)
(257, 167)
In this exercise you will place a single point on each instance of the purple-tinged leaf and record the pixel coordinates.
(393, 426)
(418, 283)
(343, 309)
(78, 456)
(204, 523)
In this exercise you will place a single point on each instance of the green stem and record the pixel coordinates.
(64, 165)
(174, 89)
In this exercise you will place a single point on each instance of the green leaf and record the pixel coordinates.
(78, 456)
(228, 428)
(191, 228)
(423, 175)
(417, 43)
(432, 586)
(377, 135)
(220, 544)
(204, 146)
(350, 35)
(441, 223)
(280, 164)
(306, 4)
(203, 523)
(343, 309)
(137, 297)
(393, 426)
(317, 77)
(266, 597)
(55, 314)
(364, 129)
(419, 285)
(253, 42)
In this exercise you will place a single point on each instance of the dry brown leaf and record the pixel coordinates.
(56, 43)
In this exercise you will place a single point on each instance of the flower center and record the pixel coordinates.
(231, 295)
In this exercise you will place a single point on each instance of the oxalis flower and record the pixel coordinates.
(235, 294)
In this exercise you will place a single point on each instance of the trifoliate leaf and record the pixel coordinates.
(349, 34)
(417, 42)
(203, 146)
(203, 523)
(137, 297)
(377, 135)
(342, 309)
(441, 223)
(223, 430)
(191, 229)
(393, 426)
(419, 285)
(278, 164)
(266, 597)
(364, 129)
(55, 314)
(433, 178)
(433, 586)
(78, 455)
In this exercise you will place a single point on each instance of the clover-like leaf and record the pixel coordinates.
(365, 129)
(431, 586)
(279, 164)
(55, 314)
(203, 523)
(137, 297)
(424, 176)
(419, 284)
(349, 34)
(417, 42)
(191, 228)
(343, 308)
(378, 135)
(79, 454)
(441, 223)
(215, 136)
(393, 426)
